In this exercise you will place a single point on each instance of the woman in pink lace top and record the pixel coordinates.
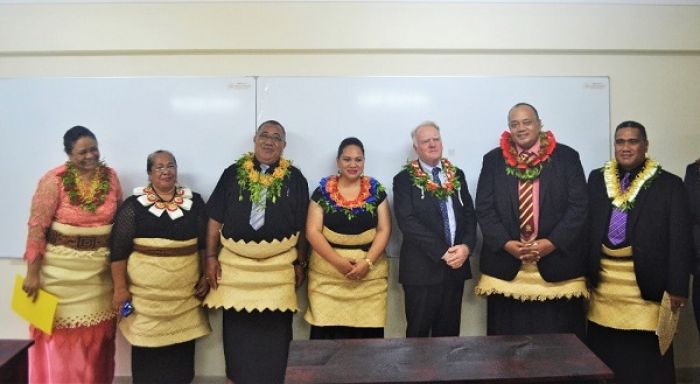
(67, 255)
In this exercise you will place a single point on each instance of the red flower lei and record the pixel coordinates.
(339, 200)
(531, 168)
(425, 183)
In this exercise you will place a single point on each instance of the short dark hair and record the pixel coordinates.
(348, 141)
(523, 104)
(275, 123)
(633, 124)
(73, 135)
(152, 156)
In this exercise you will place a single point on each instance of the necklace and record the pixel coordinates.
(625, 201)
(526, 168)
(425, 183)
(182, 199)
(366, 201)
(90, 196)
(253, 181)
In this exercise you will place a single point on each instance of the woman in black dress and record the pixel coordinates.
(157, 244)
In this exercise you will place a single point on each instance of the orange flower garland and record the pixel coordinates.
(366, 200)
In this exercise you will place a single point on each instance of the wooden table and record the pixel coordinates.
(13, 360)
(480, 359)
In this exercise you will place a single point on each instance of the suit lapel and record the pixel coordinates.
(510, 189)
(634, 212)
(545, 181)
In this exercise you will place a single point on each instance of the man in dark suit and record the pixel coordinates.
(640, 251)
(531, 206)
(692, 185)
(435, 214)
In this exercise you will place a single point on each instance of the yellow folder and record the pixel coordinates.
(39, 313)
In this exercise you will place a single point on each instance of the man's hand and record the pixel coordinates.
(213, 274)
(299, 275)
(456, 256)
(677, 302)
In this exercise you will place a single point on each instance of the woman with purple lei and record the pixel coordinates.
(348, 226)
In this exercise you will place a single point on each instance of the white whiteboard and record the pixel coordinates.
(471, 112)
(205, 122)
(208, 122)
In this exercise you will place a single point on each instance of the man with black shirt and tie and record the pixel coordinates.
(256, 252)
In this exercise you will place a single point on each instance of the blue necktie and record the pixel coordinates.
(443, 208)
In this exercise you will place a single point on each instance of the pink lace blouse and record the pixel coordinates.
(51, 203)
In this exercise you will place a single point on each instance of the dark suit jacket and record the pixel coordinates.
(658, 228)
(424, 244)
(563, 206)
(692, 184)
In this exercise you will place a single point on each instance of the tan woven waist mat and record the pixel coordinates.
(162, 288)
(528, 285)
(256, 276)
(89, 240)
(620, 252)
(166, 250)
(81, 279)
(617, 301)
(335, 300)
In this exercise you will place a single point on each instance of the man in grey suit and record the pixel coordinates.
(435, 214)
(531, 205)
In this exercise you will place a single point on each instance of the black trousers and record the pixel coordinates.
(256, 345)
(433, 310)
(169, 364)
(633, 356)
(696, 300)
(508, 316)
(343, 332)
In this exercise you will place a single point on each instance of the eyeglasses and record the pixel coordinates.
(273, 138)
(163, 169)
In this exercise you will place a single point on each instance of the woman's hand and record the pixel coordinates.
(359, 270)
(343, 265)
(120, 297)
(201, 288)
(31, 284)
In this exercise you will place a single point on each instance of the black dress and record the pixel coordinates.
(170, 363)
(338, 222)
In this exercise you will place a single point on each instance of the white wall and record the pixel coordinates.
(651, 54)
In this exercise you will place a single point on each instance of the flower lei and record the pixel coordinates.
(181, 199)
(252, 180)
(86, 198)
(366, 201)
(625, 201)
(425, 183)
(531, 168)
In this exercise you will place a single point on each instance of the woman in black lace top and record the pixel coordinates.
(157, 244)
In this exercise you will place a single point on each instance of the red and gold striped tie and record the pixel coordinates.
(525, 205)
